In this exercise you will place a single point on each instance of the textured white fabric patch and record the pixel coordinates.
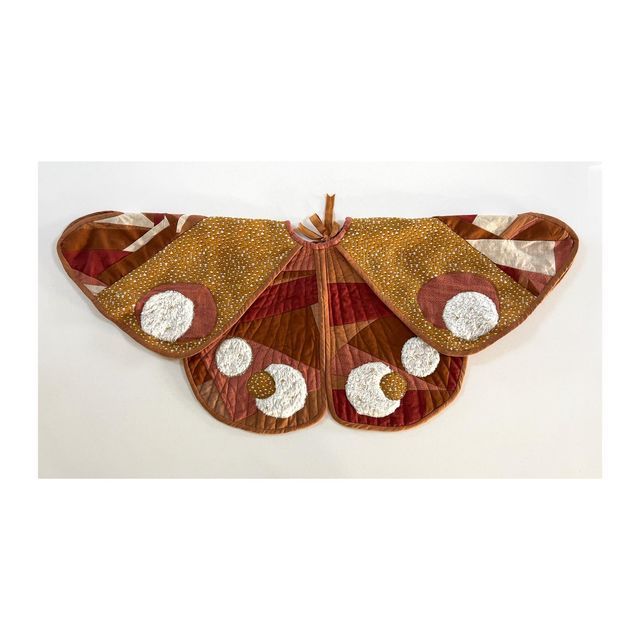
(290, 395)
(364, 392)
(527, 255)
(233, 356)
(494, 224)
(419, 358)
(469, 315)
(167, 315)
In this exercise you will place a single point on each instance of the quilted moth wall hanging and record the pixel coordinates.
(372, 319)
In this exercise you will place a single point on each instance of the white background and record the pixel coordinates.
(289, 80)
(530, 405)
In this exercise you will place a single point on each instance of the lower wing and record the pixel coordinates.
(381, 375)
(265, 374)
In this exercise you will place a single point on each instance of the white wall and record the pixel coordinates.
(530, 405)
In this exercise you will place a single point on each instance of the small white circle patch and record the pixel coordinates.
(290, 394)
(364, 392)
(469, 315)
(233, 356)
(418, 358)
(167, 315)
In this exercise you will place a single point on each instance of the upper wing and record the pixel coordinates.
(173, 283)
(265, 374)
(461, 282)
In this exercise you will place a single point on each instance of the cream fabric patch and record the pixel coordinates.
(167, 315)
(526, 255)
(133, 219)
(494, 224)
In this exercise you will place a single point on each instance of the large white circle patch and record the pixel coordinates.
(233, 356)
(418, 358)
(469, 315)
(364, 392)
(166, 315)
(290, 394)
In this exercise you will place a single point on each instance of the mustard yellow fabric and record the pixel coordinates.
(397, 256)
(234, 258)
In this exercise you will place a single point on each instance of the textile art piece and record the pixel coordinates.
(372, 319)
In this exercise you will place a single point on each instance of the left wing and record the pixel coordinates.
(174, 283)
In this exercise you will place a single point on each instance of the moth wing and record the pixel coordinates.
(265, 373)
(380, 375)
(461, 282)
(174, 283)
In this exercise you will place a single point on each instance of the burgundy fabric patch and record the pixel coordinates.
(563, 251)
(284, 297)
(455, 371)
(354, 302)
(533, 282)
(93, 262)
(413, 407)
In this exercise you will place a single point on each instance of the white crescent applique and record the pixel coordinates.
(364, 392)
(290, 394)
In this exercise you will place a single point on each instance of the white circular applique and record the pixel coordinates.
(419, 358)
(233, 356)
(167, 315)
(469, 315)
(290, 394)
(364, 391)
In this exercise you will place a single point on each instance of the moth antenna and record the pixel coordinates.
(328, 213)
